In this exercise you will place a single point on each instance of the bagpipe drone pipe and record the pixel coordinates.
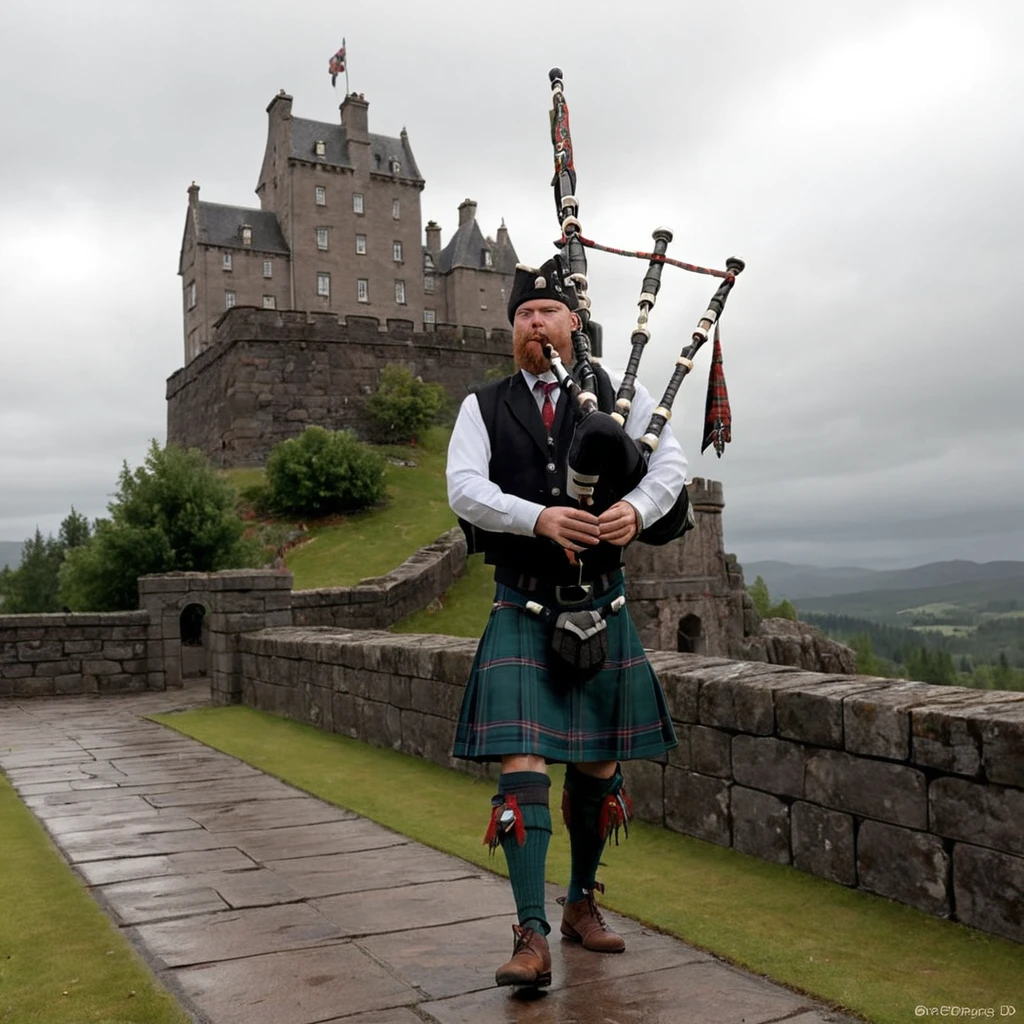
(605, 463)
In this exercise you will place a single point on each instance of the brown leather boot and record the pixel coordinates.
(530, 963)
(582, 922)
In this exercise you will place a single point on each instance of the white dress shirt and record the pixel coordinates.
(475, 498)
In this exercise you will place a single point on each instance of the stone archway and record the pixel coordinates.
(193, 629)
(690, 635)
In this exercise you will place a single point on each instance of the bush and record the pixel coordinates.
(322, 473)
(403, 407)
(33, 587)
(172, 514)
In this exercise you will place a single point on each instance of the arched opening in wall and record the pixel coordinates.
(690, 635)
(193, 633)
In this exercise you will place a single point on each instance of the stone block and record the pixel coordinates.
(345, 714)
(911, 867)
(20, 671)
(822, 842)
(680, 754)
(1001, 731)
(439, 699)
(946, 735)
(123, 651)
(989, 890)
(101, 668)
(760, 825)
(871, 789)
(456, 664)
(763, 762)
(57, 668)
(740, 696)
(681, 693)
(427, 736)
(82, 646)
(984, 815)
(75, 682)
(710, 751)
(698, 805)
(41, 650)
(645, 784)
(34, 686)
(318, 708)
(812, 711)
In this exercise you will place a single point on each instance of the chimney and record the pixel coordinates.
(433, 236)
(354, 117)
(467, 211)
(280, 105)
(502, 235)
(193, 196)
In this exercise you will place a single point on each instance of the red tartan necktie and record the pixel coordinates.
(547, 411)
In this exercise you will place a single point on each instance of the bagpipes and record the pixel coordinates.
(605, 463)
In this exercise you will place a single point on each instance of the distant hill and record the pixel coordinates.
(10, 553)
(810, 581)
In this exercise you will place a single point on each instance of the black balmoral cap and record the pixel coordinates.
(540, 283)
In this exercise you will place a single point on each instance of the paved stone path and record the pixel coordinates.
(258, 904)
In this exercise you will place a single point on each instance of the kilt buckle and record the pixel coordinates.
(576, 593)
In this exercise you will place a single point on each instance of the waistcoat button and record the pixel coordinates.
(556, 491)
(551, 467)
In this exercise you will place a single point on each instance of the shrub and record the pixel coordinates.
(33, 586)
(172, 514)
(324, 472)
(403, 406)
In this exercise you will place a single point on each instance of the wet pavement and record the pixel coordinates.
(258, 904)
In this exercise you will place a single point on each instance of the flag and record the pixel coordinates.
(717, 413)
(337, 65)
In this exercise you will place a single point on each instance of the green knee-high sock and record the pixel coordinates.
(526, 863)
(584, 797)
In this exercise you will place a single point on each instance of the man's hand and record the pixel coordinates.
(571, 528)
(619, 524)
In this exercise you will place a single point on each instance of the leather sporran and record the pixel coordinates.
(579, 640)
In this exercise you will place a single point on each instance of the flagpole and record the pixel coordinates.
(345, 48)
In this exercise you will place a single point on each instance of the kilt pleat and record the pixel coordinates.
(515, 704)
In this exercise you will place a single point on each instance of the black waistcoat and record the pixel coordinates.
(527, 462)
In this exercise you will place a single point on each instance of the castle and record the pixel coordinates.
(338, 231)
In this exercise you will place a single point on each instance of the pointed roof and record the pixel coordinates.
(467, 246)
(383, 148)
(221, 225)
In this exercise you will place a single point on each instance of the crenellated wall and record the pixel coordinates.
(269, 374)
(907, 790)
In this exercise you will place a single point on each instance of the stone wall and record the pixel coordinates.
(270, 373)
(907, 790)
(379, 602)
(48, 655)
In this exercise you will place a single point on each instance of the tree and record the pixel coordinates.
(758, 591)
(403, 406)
(324, 472)
(172, 514)
(33, 586)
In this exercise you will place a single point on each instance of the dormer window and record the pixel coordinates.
(488, 258)
(246, 234)
(428, 261)
(320, 147)
(396, 167)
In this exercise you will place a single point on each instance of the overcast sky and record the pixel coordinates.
(865, 158)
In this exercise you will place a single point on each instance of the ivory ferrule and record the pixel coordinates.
(664, 412)
(570, 222)
(649, 297)
(623, 405)
(683, 361)
(587, 396)
(700, 334)
(643, 332)
(619, 418)
(570, 202)
(650, 441)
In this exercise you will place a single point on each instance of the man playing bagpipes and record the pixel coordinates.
(524, 706)
(552, 473)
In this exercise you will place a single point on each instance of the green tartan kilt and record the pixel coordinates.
(514, 704)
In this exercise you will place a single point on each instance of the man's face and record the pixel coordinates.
(539, 322)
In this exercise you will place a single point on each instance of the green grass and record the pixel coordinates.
(875, 957)
(61, 959)
(462, 610)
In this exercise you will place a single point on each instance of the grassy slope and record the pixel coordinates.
(878, 958)
(61, 960)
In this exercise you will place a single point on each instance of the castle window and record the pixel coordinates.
(246, 234)
(488, 258)
(428, 261)
(396, 208)
(323, 285)
(396, 251)
(320, 147)
(321, 239)
(360, 245)
(321, 195)
(268, 268)
(357, 202)
(190, 295)
(229, 300)
(363, 290)
(400, 293)
(483, 299)
(396, 167)
(269, 302)
(225, 261)
(428, 283)
(429, 317)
